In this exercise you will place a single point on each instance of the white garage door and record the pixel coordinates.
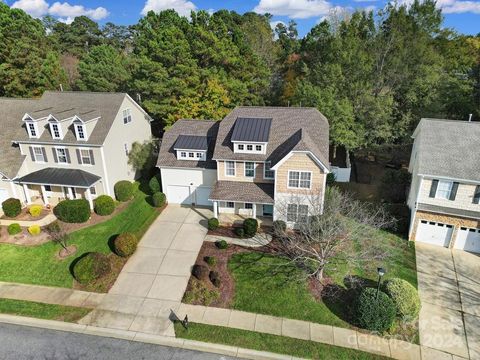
(434, 233)
(202, 193)
(468, 240)
(177, 194)
(3, 195)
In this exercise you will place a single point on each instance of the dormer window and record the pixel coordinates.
(250, 148)
(32, 129)
(191, 147)
(241, 147)
(55, 130)
(251, 135)
(80, 131)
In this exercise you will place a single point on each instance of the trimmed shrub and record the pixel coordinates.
(372, 313)
(104, 205)
(123, 190)
(213, 224)
(34, 230)
(35, 210)
(221, 244)
(154, 184)
(279, 227)
(331, 178)
(250, 226)
(200, 272)
(404, 296)
(125, 244)
(53, 227)
(159, 199)
(14, 229)
(214, 278)
(12, 207)
(72, 211)
(91, 267)
(210, 260)
(240, 232)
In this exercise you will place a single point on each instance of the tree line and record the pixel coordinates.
(374, 75)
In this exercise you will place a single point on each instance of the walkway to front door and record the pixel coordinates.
(152, 283)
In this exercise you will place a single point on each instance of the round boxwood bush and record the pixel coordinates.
(213, 224)
(250, 226)
(125, 244)
(90, 267)
(34, 230)
(123, 190)
(154, 184)
(279, 227)
(11, 207)
(200, 272)
(214, 278)
(14, 229)
(210, 260)
(404, 296)
(104, 205)
(240, 232)
(35, 210)
(221, 244)
(159, 199)
(72, 211)
(375, 314)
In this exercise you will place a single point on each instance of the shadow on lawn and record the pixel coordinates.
(74, 262)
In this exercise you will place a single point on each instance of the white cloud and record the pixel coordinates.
(295, 9)
(273, 24)
(183, 7)
(66, 12)
(453, 6)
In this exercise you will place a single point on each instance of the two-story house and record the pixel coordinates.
(444, 197)
(257, 161)
(68, 145)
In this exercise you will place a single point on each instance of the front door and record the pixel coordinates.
(267, 210)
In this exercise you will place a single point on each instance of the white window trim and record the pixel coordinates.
(245, 170)
(236, 148)
(58, 157)
(35, 128)
(35, 155)
(265, 169)
(128, 116)
(229, 207)
(84, 128)
(299, 179)
(297, 212)
(60, 133)
(81, 157)
(234, 168)
(248, 203)
(449, 191)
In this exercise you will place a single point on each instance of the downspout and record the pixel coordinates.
(106, 183)
(412, 220)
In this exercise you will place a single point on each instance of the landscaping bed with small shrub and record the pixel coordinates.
(231, 231)
(30, 213)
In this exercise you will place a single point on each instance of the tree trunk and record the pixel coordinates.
(319, 274)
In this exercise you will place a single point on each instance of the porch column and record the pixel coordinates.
(254, 211)
(215, 209)
(70, 193)
(26, 190)
(44, 195)
(89, 198)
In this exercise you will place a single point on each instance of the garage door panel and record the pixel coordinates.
(468, 239)
(434, 233)
(178, 194)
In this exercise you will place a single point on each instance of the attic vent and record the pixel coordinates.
(252, 129)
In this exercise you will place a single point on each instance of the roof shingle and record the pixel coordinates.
(260, 193)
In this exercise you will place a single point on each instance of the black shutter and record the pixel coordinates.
(476, 195)
(44, 154)
(54, 152)
(433, 189)
(31, 153)
(92, 158)
(79, 157)
(453, 193)
(67, 154)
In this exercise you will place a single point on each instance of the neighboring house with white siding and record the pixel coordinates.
(256, 162)
(444, 196)
(68, 144)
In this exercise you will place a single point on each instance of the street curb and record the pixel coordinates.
(186, 344)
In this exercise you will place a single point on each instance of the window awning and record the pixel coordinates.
(60, 177)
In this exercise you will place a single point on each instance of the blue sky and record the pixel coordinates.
(462, 15)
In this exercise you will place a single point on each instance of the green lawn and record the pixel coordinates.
(42, 311)
(267, 342)
(38, 265)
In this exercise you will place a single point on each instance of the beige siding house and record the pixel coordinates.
(257, 162)
(68, 145)
(444, 196)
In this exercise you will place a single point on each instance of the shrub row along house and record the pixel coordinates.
(445, 193)
(68, 145)
(256, 162)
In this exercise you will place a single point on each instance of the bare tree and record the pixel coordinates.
(58, 235)
(340, 235)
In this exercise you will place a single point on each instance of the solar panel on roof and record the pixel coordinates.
(251, 129)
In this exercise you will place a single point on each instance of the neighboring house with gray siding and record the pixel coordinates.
(68, 144)
(444, 197)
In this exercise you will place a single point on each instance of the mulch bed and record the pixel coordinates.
(23, 239)
(63, 254)
(228, 231)
(25, 215)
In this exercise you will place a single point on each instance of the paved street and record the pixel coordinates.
(450, 293)
(151, 285)
(20, 343)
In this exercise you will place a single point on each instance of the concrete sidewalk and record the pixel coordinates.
(41, 222)
(151, 285)
(50, 295)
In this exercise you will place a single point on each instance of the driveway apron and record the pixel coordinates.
(151, 285)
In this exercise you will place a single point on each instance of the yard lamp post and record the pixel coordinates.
(381, 272)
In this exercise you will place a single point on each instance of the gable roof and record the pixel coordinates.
(291, 129)
(195, 128)
(191, 142)
(251, 129)
(448, 148)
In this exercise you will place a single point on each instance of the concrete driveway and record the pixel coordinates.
(152, 283)
(449, 288)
